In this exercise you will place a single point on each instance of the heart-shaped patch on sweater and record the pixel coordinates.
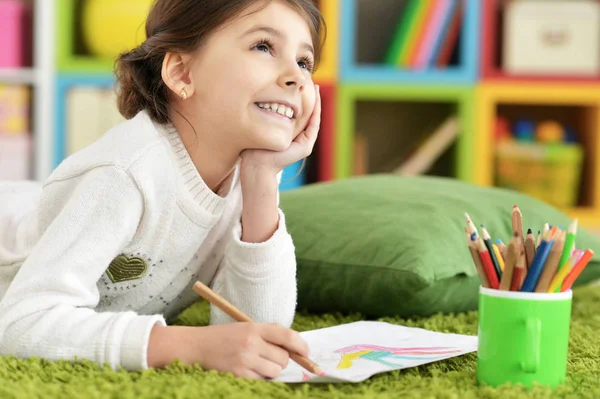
(124, 268)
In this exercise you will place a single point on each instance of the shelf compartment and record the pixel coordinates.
(492, 21)
(574, 106)
(361, 60)
(394, 118)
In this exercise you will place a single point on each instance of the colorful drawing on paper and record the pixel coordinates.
(387, 355)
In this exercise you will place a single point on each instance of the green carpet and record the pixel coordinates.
(450, 379)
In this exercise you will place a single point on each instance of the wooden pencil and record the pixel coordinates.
(551, 266)
(529, 248)
(487, 240)
(560, 275)
(502, 248)
(511, 259)
(486, 261)
(477, 261)
(517, 222)
(539, 240)
(520, 271)
(236, 314)
(576, 270)
(471, 229)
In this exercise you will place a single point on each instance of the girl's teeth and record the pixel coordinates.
(280, 109)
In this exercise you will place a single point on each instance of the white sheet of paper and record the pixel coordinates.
(356, 351)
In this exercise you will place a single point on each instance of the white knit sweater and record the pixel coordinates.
(114, 240)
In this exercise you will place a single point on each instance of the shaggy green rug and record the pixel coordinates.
(449, 379)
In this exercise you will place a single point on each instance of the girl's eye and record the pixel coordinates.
(306, 63)
(264, 45)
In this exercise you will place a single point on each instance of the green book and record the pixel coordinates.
(400, 42)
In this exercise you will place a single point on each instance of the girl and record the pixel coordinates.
(94, 264)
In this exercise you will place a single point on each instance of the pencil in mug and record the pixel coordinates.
(501, 248)
(237, 315)
(576, 270)
(487, 240)
(486, 260)
(539, 260)
(471, 229)
(551, 265)
(562, 273)
(517, 222)
(520, 270)
(478, 265)
(569, 245)
(529, 248)
(499, 257)
(512, 254)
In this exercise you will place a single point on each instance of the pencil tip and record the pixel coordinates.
(515, 206)
(529, 231)
(498, 241)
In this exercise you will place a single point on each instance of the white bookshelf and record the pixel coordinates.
(40, 78)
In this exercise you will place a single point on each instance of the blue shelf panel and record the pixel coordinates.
(465, 73)
(292, 177)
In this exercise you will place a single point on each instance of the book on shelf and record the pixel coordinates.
(426, 34)
(426, 153)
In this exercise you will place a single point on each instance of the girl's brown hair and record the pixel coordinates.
(182, 26)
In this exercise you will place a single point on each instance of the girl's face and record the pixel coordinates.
(252, 78)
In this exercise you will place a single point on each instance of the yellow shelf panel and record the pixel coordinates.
(328, 68)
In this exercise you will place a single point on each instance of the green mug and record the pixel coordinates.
(523, 337)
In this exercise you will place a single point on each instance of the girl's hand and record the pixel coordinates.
(300, 148)
(250, 350)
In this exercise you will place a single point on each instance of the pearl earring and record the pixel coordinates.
(183, 94)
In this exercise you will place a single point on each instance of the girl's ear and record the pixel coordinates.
(177, 76)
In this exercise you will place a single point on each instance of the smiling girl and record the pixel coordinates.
(96, 262)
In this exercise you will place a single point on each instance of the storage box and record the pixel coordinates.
(552, 37)
(14, 27)
(14, 109)
(549, 172)
(15, 157)
(91, 112)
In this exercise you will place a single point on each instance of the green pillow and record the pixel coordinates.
(386, 245)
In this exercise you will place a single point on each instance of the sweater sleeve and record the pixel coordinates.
(48, 310)
(259, 278)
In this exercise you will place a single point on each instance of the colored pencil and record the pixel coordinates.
(529, 248)
(471, 226)
(499, 257)
(562, 273)
(488, 266)
(478, 265)
(517, 221)
(511, 260)
(487, 240)
(237, 315)
(520, 271)
(538, 241)
(551, 265)
(576, 270)
(537, 265)
(569, 246)
(502, 248)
